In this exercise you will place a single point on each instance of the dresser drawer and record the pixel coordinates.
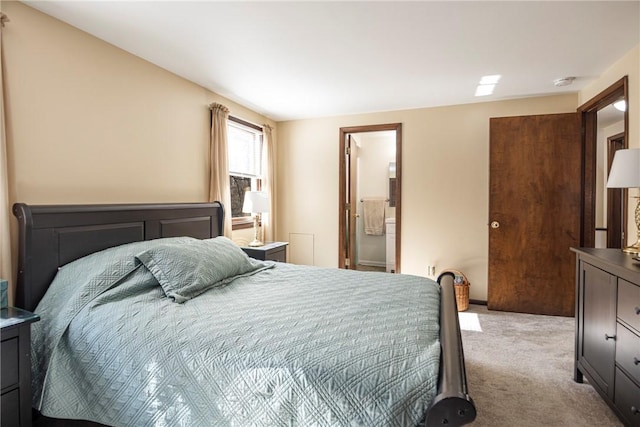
(279, 255)
(629, 303)
(10, 408)
(627, 398)
(15, 366)
(9, 361)
(628, 352)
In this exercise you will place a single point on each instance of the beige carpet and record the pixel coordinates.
(520, 372)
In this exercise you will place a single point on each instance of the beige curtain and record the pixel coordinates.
(219, 163)
(6, 270)
(268, 182)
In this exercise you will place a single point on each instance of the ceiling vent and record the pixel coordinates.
(565, 81)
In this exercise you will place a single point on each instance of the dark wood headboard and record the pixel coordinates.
(52, 236)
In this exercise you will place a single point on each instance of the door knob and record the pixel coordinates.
(495, 224)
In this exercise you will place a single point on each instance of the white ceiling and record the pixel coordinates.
(291, 60)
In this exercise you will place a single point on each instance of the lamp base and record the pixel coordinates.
(633, 249)
(256, 235)
(255, 243)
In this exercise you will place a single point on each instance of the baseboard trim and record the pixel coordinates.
(477, 302)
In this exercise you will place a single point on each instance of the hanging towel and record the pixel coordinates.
(373, 210)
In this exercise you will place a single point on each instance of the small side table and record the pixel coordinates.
(15, 361)
(273, 251)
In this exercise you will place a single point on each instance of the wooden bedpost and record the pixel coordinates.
(452, 405)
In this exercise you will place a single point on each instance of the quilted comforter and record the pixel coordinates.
(284, 345)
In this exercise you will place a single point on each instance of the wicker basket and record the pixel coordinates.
(461, 290)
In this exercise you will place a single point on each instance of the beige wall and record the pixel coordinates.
(90, 123)
(445, 182)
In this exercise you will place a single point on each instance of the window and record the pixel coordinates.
(244, 142)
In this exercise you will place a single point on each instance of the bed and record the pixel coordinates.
(274, 344)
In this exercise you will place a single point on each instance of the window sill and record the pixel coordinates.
(241, 223)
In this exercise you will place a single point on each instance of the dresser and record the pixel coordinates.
(273, 251)
(608, 328)
(15, 358)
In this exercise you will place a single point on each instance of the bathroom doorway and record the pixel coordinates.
(605, 125)
(370, 197)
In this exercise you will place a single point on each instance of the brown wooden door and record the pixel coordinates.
(534, 213)
(615, 208)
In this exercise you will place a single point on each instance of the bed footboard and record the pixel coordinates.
(452, 405)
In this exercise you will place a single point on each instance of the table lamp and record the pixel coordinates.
(256, 202)
(625, 173)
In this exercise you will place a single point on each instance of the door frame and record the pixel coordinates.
(589, 116)
(351, 160)
(344, 131)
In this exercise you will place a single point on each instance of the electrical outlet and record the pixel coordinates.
(431, 270)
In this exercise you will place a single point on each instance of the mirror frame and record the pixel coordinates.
(589, 118)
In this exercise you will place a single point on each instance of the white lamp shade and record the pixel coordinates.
(255, 202)
(625, 169)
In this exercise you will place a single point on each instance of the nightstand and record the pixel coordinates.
(273, 251)
(15, 358)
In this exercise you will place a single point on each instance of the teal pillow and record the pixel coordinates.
(188, 269)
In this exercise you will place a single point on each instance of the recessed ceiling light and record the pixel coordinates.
(484, 90)
(487, 84)
(490, 80)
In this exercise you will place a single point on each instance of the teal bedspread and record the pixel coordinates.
(284, 345)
